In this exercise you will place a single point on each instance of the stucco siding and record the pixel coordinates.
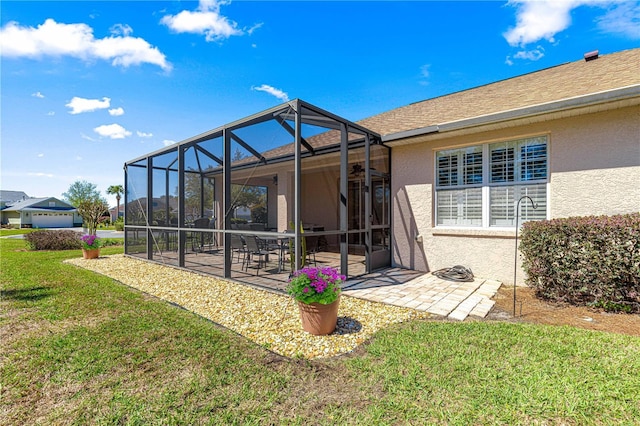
(596, 192)
(594, 168)
(320, 199)
(595, 165)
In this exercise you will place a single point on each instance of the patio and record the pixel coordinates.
(313, 184)
(400, 287)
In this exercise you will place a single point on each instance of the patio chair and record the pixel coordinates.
(253, 250)
(238, 246)
(312, 244)
(200, 239)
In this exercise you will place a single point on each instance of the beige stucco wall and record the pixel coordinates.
(320, 199)
(594, 165)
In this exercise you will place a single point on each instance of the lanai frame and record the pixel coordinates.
(338, 136)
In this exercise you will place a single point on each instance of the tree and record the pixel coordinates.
(80, 191)
(91, 212)
(116, 190)
(249, 196)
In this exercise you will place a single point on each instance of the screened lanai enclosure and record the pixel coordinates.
(261, 197)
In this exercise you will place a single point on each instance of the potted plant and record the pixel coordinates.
(317, 291)
(90, 246)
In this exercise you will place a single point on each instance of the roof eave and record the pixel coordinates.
(609, 96)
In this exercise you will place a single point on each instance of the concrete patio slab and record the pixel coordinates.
(426, 292)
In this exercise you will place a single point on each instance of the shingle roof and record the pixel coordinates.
(27, 204)
(608, 72)
(570, 80)
(12, 196)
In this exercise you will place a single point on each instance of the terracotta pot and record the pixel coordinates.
(90, 253)
(319, 319)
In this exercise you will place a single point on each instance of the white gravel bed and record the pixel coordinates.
(271, 320)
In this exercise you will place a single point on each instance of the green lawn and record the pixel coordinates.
(5, 232)
(79, 348)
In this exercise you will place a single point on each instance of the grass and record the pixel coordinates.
(79, 348)
(6, 232)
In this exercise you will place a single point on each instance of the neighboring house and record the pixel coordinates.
(443, 177)
(112, 212)
(41, 213)
(10, 197)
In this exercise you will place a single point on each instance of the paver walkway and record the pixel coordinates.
(426, 292)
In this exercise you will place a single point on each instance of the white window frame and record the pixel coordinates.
(487, 184)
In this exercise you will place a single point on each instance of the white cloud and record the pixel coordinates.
(78, 158)
(113, 131)
(37, 95)
(89, 138)
(623, 19)
(272, 91)
(532, 55)
(80, 105)
(206, 19)
(540, 19)
(77, 40)
(115, 112)
(168, 142)
(51, 113)
(121, 30)
(255, 27)
(40, 155)
(424, 70)
(543, 19)
(40, 174)
(143, 134)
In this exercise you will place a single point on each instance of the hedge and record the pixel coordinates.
(592, 260)
(53, 240)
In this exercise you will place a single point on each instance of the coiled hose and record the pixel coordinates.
(455, 273)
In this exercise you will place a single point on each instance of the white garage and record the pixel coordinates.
(52, 220)
(46, 212)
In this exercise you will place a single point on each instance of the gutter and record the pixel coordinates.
(620, 94)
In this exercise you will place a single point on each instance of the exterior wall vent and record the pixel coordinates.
(590, 56)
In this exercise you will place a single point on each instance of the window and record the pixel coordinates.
(480, 185)
(459, 198)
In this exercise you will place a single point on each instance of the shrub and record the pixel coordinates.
(119, 224)
(585, 260)
(108, 242)
(53, 240)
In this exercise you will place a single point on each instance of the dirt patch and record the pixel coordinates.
(531, 309)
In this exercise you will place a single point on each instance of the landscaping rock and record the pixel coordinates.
(269, 319)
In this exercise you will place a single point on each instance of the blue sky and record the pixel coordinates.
(89, 85)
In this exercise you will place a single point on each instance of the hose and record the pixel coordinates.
(455, 273)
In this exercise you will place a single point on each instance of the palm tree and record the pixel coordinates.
(116, 190)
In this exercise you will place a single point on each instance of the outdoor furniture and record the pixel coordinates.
(254, 250)
(287, 247)
(238, 247)
(312, 243)
(200, 239)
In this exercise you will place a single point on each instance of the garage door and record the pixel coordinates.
(52, 220)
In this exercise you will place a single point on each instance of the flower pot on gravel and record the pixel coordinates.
(90, 246)
(317, 291)
(319, 319)
(91, 253)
